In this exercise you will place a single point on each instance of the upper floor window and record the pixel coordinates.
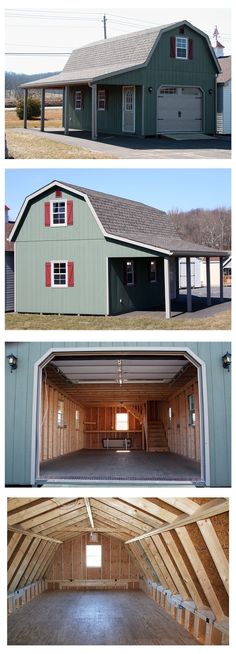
(181, 47)
(101, 100)
(79, 101)
(129, 273)
(58, 215)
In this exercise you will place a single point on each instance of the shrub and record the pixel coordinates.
(33, 107)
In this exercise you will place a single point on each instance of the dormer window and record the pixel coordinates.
(181, 47)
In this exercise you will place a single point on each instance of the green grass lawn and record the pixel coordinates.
(35, 321)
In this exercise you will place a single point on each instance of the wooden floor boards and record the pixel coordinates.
(94, 618)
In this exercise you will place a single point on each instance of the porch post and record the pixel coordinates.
(94, 112)
(25, 107)
(143, 105)
(66, 110)
(189, 290)
(177, 276)
(167, 287)
(221, 279)
(42, 110)
(208, 280)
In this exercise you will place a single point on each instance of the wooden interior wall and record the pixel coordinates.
(100, 424)
(56, 441)
(182, 438)
(69, 564)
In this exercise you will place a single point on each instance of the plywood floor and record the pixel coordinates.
(109, 465)
(94, 618)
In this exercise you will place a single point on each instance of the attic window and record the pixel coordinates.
(59, 213)
(181, 47)
(93, 556)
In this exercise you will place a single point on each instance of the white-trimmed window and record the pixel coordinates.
(129, 101)
(93, 556)
(122, 421)
(60, 414)
(153, 271)
(101, 100)
(191, 410)
(59, 212)
(77, 419)
(170, 414)
(129, 272)
(181, 47)
(59, 273)
(79, 101)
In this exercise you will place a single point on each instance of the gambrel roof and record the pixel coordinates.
(128, 221)
(225, 75)
(112, 56)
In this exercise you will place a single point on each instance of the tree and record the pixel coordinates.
(33, 107)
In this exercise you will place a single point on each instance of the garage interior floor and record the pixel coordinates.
(95, 618)
(126, 465)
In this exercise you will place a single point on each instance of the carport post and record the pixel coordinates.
(42, 110)
(66, 110)
(208, 280)
(189, 290)
(167, 287)
(221, 279)
(94, 112)
(25, 107)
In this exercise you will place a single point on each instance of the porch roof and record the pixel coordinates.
(101, 59)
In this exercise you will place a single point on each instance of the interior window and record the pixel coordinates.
(93, 556)
(122, 422)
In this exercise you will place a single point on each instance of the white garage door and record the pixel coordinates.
(179, 109)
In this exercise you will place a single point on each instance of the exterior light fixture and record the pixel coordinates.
(226, 361)
(12, 360)
(210, 91)
(150, 89)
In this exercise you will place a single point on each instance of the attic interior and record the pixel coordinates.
(120, 416)
(117, 571)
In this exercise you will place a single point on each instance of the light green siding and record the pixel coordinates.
(83, 243)
(161, 70)
(19, 399)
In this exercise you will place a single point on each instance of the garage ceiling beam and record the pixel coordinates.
(89, 512)
(28, 532)
(213, 507)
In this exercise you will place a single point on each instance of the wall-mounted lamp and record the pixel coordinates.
(12, 360)
(210, 91)
(150, 89)
(226, 361)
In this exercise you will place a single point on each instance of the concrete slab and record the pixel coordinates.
(135, 466)
(183, 136)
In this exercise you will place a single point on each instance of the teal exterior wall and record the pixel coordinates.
(19, 401)
(84, 244)
(161, 70)
(142, 295)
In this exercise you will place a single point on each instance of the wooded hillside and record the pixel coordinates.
(205, 226)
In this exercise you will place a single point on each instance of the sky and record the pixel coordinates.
(53, 29)
(165, 189)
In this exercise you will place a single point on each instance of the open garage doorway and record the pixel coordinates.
(110, 416)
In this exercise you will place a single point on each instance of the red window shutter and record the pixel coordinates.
(71, 273)
(58, 194)
(106, 99)
(172, 47)
(47, 214)
(190, 48)
(48, 275)
(70, 212)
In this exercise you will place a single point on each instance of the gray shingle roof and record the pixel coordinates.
(9, 246)
(118, 54)
(225, 75)
(138, 222)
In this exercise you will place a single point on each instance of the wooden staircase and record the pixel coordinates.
(157, 441)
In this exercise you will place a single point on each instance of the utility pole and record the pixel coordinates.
(104, 20)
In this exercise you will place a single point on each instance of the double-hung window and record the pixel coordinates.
(78, 100)
(59, 213)
(59, 273)
(181, 47)
(101, 100)
(129, 272)
(153, 271)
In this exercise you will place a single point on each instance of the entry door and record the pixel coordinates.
(179, 109)
(128, 109)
